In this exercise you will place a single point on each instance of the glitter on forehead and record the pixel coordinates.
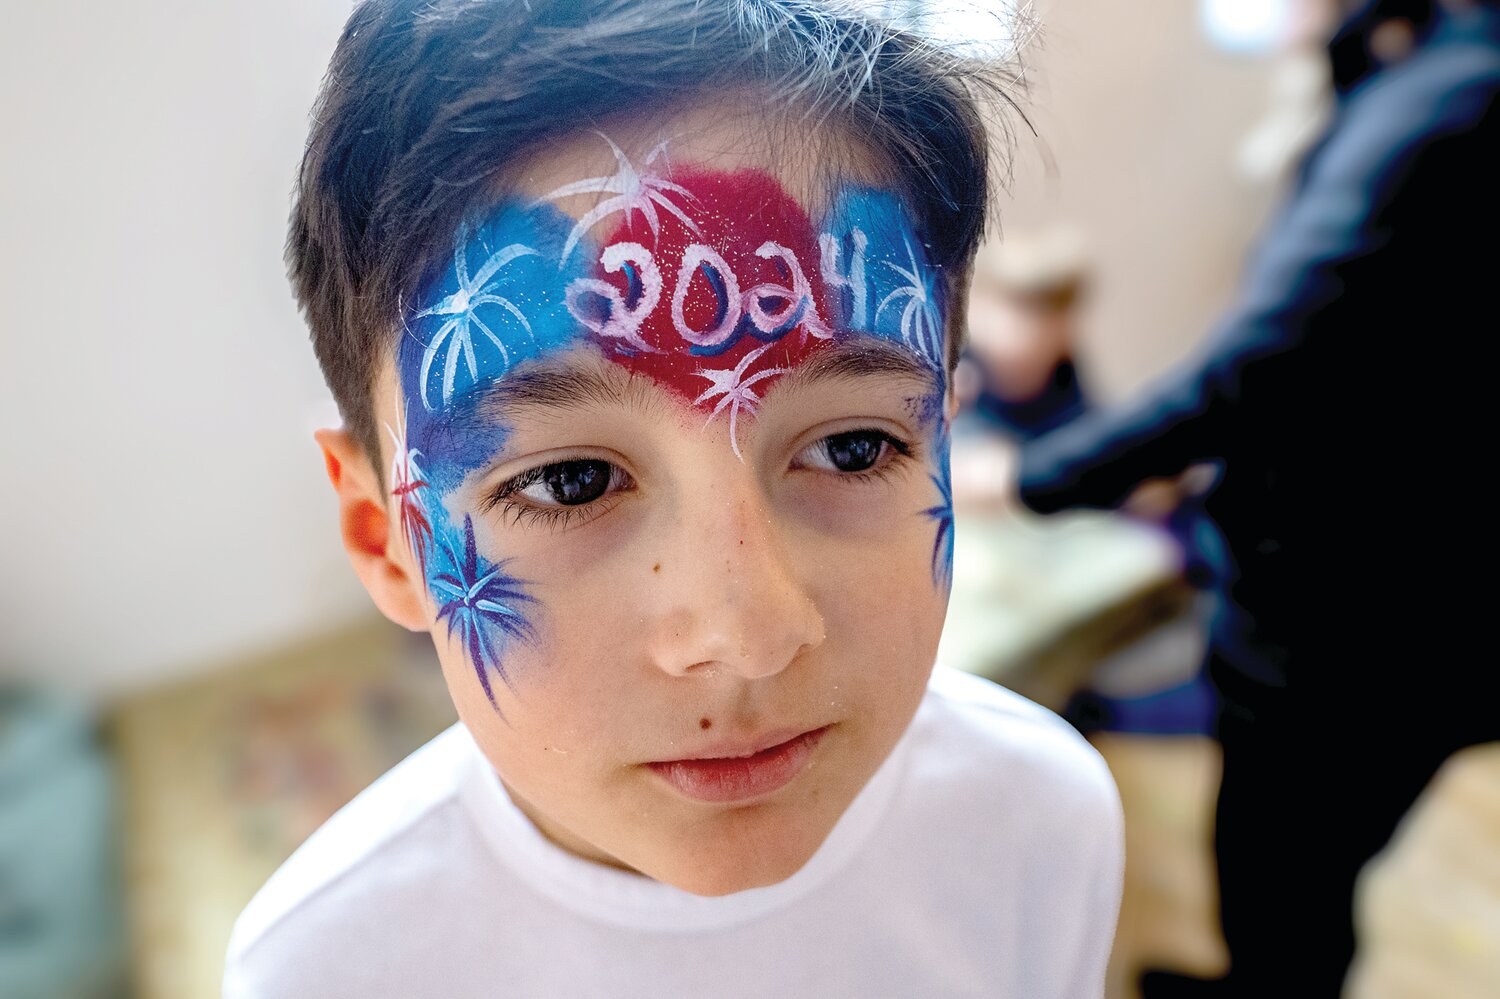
(732, 279)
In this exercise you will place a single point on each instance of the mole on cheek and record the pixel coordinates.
(705, 724)
(656, 567)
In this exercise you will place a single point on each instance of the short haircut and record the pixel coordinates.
(426, 103)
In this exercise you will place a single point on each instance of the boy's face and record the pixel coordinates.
(668, 464)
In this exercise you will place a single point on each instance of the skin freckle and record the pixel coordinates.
(705, 724)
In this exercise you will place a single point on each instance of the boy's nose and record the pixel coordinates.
(731, 599)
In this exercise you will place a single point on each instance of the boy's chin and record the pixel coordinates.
(755, 858)
(728, 875)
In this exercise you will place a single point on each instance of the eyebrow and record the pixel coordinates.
(561, 385)
(558, 386)
(862, 357)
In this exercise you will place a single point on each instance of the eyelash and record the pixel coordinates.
(552, 517)
(897, 453)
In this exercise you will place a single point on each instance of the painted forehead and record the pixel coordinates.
(711, 283)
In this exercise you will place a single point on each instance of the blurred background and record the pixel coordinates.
(191, 679)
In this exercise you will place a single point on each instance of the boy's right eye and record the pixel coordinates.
(569, 483)
(559, 489)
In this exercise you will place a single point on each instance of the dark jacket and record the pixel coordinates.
(1061, 401)
(1344, 392)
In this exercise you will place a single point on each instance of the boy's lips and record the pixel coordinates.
(729, 773)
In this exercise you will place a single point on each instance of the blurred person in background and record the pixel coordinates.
(1017, 374)
(1018, 380)
(1338, 397)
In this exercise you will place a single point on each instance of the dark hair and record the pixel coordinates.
(426, 102)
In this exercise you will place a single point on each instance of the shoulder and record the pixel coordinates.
(358, 864)
(999, 750)
(1012, 824)
(1444, 94)
(1449, 81)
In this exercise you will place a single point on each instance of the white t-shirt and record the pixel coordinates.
(984, 858)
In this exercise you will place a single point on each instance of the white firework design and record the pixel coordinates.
(736, 392)
(634, 191)
(458, 332)
(407, 481)
(404, 466)
(621, 322)
(921, 324)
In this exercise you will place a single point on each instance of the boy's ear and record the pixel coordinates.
(365, 527)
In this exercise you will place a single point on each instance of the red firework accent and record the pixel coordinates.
(742, 223)
(413, 516)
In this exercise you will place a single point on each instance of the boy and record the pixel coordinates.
(645, 310)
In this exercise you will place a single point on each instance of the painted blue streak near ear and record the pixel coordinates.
(941, 513)
(942, 516)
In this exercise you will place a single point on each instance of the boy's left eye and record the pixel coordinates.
(851, 451)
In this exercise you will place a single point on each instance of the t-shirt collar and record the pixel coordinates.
(614, 896)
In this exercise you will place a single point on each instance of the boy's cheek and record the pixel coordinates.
(887, 606)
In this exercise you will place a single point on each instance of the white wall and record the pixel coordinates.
(1140, 120)
(162, 502)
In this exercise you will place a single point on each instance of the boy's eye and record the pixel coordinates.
(557, 491)
(569, 483)
(851, 451)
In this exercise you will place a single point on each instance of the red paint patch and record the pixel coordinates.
(748, 238)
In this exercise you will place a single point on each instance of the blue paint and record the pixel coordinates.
(445, 422)
(497, 304)
(941, 513)
(887, 284)
(888, 287)
(480, 602)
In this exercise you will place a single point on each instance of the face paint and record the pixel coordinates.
(481, 603)
(712, 285)
(498, 304)
(941, 513)
(407, 482)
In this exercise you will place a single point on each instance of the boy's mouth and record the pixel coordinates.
(736, 774)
